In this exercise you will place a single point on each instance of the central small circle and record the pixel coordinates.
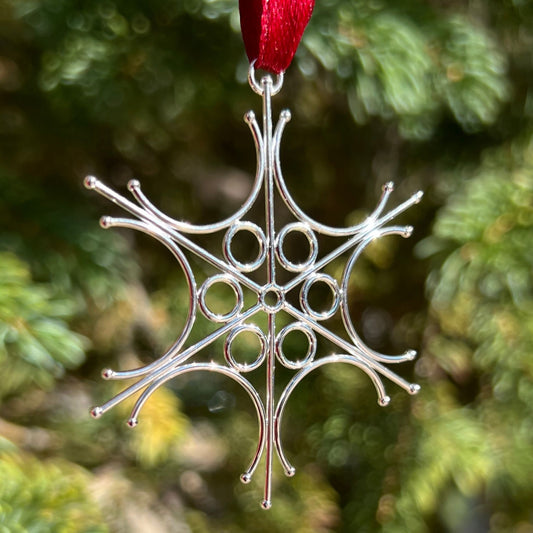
(272, 299)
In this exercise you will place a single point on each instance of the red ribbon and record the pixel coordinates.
(272, 30)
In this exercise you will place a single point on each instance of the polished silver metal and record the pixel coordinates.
(270, 296)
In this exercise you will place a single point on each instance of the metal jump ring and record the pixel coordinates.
(304, 296)
(227, 280)
(245, 367)
(311, 239)
(311, 351)
(257, 232)
(258, 88)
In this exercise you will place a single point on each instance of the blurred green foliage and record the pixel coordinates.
(435, 95)
(44, 496)
(411, 64)
(36, 344)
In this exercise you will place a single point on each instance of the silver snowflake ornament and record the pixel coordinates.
(271, 297)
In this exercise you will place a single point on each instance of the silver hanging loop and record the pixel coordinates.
(259, 87)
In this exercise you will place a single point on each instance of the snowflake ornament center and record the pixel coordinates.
(272, 297)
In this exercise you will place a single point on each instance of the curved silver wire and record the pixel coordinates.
(168, 366)
(135, 188)
(383, 399)
(95, 184)
(109, 222)
(285, 117)
(344, 345)
(359, 236)
(212, 367)
(409, 355)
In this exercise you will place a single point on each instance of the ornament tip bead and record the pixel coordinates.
(414, 388)
(290, 471)
(246, 477)
(96, 412)
(384, 401)
(410, 355)
(132, 422)
(133, 184)
(105, 222)
(107, 373)
(90, 182)
(266, 504)
(408, 231)
(286, 115)
(388, 187)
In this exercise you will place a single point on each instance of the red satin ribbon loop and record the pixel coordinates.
(272, 30)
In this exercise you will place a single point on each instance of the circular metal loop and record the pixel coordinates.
(311, 239)
(259, 87)
(257, 232)
(304, 296)
(227, 280)
(311, 350)
(245, 367)
(272, 292)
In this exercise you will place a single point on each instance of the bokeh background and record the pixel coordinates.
(436, 95)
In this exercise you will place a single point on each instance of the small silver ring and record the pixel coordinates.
(272, 308)
(304, 296)
(255, 230)
(311, 239)
(227, 280)
(245, 367)
(311, 350)
(258, 88)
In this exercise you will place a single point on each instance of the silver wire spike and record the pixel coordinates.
(271, 297)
